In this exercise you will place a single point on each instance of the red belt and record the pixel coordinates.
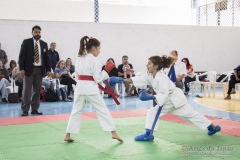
(108, 90)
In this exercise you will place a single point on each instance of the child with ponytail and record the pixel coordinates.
(89, 72)
(166, 95)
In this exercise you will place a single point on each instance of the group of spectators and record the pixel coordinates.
(124, 70)
(61, 69)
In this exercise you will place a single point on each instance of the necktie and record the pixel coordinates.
(172, 74)
(36, 55)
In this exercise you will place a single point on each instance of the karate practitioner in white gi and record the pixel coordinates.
(167, 95)
(89, 72)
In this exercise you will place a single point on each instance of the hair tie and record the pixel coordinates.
(87, 40)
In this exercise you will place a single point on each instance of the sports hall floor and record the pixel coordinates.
(41, 137)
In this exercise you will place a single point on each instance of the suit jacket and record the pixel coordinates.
(26, 57)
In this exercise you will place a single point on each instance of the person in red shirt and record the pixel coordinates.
(191, 76)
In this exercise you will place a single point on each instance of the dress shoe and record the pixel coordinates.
(25, 114)
(36, 112)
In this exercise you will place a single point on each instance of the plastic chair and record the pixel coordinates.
(10, 87)
(210, 81)
(224, 84)
(59, 85)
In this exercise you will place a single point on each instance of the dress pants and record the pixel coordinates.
(31, 90)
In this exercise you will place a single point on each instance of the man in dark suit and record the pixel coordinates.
(34, 62)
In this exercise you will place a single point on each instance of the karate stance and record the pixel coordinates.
(167, 95)
(89, 72)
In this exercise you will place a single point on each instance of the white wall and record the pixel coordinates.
(208, 48)
(153, 12)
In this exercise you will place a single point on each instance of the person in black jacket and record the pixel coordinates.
(34, 62)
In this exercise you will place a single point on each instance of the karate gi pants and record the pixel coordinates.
(186, 112)
(98, 103)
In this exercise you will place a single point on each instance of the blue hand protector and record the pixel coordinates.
(113, 80)
(145, 97)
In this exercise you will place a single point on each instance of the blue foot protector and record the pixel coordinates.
(145, 137)
(212, 131)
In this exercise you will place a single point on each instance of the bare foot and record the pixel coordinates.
(118, 138)
(115, 136)
(67, 138)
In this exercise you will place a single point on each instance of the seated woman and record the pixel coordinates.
(4, 82)
(3, 88)
(63, 74)
(112, 73)
(12, 65)
(5, 74)
(191, 76)
(18, 81)
(70, 66)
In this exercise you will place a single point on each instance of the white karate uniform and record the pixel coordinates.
(88, 92)
(171, 98)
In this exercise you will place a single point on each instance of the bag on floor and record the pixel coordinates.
(51, 95)
(13, 97)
